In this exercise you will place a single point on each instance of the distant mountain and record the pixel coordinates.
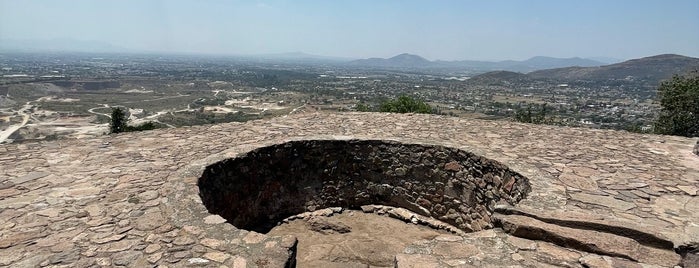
(654, 68)
(413, 61)
(541, 62)
(404, 60)
(606, 60)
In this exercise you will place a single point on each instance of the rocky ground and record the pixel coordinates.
(599, 198)
(352, 239)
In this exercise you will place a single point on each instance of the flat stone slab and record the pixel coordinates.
(603, 200)
(29, 177)
(494, 248)
(588, 240)
(132, 199)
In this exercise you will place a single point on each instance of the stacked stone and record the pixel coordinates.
(262, 187)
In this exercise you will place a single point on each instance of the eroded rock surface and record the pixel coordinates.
(371, 239)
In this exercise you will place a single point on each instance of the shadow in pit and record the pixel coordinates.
(260, 188)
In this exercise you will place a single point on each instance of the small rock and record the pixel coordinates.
(453, 166)
(336, 209)
(212, 243)
(192, 229)
(214, 219)
(119, 246)
(400, 213)
(81, 214)
(254, 238)
(197, 261)
(152, 248)
(136, 213)
(217, 256)
(177, 256)
(125, 258)
(183, 241)
(148, 195)
(368, 208)
(153, 258)
(198, 249)
(103, 261)
(327, 226)
(455, 262)
(517, 257)
(240, 262)
(323, 212)
(123, 223)
(690, 190)
(109, 239)
(150, 221)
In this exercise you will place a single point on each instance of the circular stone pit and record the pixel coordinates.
(258, 189)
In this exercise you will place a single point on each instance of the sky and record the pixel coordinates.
(434, 29)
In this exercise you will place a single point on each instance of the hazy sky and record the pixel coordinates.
(459, 29)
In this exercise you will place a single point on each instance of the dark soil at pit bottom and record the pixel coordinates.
(373, 241)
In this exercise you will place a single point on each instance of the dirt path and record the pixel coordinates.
(25, 119)
(92, 110)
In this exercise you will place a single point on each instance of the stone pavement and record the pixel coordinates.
(132, 199)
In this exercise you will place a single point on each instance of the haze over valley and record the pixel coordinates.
(61, 77)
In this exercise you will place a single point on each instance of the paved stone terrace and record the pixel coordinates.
(132, 199)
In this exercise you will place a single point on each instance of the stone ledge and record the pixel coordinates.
(587, 240)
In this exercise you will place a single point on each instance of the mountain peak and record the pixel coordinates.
(404, 60)
(407, 56)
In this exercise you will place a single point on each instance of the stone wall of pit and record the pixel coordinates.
(256, 190)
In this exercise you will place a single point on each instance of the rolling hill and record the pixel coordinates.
(410, 61)
(654, 68)
(404, 60)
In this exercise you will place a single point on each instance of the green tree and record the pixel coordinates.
(524, 117)
(118, 123)
(541, 116)
(405, 104)
(362, 107)
(679, 101)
